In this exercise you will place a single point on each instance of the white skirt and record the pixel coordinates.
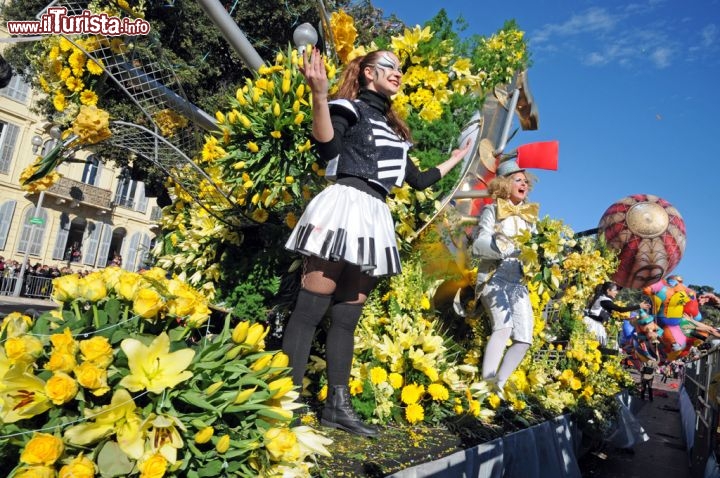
(344, 223)
(598, 329)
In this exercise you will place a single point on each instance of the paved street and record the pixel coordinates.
(21, 304)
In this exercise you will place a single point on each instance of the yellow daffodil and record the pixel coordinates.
(155, 368)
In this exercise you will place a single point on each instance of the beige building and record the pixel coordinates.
(92, 213)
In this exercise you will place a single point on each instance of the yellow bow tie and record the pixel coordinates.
(527, 212)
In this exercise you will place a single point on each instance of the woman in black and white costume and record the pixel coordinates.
(500, 287)
(602, 305)
(346, 232)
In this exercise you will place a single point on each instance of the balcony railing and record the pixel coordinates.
(84, 193)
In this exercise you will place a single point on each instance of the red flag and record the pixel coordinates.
(543, 155)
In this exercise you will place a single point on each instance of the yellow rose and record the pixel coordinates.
(64, 342)
(15, 324)
(65, 288)
(199, 316)
(35, 472)
(23, 349)
(111, 275)
(147, 303)
(97, 350)
(61, 362)
(92, 377)
(127, 284)
(155, 273)
(204, 435)
(61, 388)
(184, 298)
(223, 444)
(282, 445)
(92, 287)
(154, 466)
(79, 467)
(42, 449)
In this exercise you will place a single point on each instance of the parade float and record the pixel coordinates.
(216, 398)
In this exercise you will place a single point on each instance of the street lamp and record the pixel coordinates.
(303, 36)
(37, 141)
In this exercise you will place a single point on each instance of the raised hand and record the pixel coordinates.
(313, 69)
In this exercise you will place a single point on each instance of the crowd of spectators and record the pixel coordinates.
(34, 285)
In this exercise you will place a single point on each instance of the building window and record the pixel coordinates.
(18, 89)
(91, 172)
(125, 193)
(6, 215)
(8, 137)
(32, 235)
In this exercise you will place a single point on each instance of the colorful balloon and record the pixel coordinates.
(649, 235)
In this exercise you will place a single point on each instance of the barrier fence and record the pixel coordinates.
(37, 287)
(699, 413)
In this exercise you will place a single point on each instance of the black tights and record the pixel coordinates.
(324, 283)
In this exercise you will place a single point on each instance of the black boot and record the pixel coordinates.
(339, 413)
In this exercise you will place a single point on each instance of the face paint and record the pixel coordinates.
(387, 62)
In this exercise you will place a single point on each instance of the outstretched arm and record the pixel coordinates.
(455, 157)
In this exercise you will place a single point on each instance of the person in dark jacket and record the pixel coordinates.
(601, 307)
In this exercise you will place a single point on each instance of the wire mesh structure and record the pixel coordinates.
(139, 69)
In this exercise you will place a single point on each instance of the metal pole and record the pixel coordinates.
(20, 279)
(232, 33)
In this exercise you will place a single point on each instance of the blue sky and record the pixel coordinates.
(631, 92)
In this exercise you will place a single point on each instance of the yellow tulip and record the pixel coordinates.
(220, 117)
(276, 109)
(223, 444)
(280, 359)
(240, 332)
(280, 387)
(214, 388)
(253, 147)
(204, 435)
(261, 363)
(243, 395)
(255, 335)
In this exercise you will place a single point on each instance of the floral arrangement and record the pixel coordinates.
(126, 378)
(405, 370)
(66, 73)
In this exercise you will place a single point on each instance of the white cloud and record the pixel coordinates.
(631, 35)
(709, 35)
(661, 57)
(593, 20)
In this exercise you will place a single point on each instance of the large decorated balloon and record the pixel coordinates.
(649, 235)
